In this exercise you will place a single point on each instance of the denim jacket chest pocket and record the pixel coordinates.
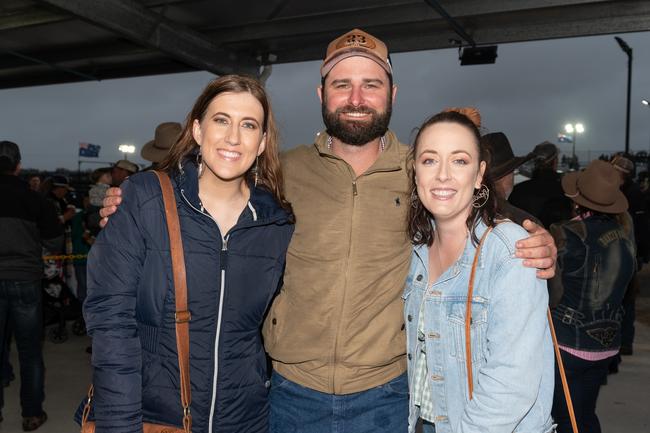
(455, 309)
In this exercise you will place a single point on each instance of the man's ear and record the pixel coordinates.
(319, 92)
(394, 92)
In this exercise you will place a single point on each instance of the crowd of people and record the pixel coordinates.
(386, 285)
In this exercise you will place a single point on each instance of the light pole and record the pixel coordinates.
(647, 104)
(627, 50)
(126, 149)
(574, 129)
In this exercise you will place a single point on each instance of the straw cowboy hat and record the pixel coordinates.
(596, 188)
(164, 138)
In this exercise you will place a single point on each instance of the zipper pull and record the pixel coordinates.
(224, 253)
(354, 188)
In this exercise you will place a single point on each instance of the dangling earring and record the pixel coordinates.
(199, 162)
(255, 171)
(481, 197)
(415, 200)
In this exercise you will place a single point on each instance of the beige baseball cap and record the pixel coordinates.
(356, 43)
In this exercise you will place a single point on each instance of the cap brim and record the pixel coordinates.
(329, 64)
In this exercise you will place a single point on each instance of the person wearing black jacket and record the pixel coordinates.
(27, 224)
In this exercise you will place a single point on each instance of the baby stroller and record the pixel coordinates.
(59, 305)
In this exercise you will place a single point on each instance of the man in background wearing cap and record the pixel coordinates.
(121, 170)
(335, 331)
(27, 224)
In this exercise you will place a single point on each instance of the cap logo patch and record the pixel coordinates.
(356, 40)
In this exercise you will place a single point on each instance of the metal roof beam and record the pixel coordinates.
(135, 22)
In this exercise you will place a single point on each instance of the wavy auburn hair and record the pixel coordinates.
(419, 219)
(269, 173)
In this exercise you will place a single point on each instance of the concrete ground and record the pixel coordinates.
(622, 406)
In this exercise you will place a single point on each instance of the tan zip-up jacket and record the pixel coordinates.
(337, 324)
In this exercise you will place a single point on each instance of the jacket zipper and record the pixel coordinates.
(223, 260)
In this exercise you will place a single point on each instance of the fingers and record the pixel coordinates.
(113, 191)
(103, 221)
(546, 274)
(531, 227)
(541, 252)
(106, 211)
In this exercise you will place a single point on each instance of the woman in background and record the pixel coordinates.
(595, 264)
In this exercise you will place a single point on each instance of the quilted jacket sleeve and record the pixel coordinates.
(114, 268)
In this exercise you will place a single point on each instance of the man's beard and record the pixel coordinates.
(356, 132)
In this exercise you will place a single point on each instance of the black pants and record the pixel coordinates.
(584, 379)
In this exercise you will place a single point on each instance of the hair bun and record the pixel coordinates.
(470, 112)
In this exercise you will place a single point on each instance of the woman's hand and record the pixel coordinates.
(538, 250)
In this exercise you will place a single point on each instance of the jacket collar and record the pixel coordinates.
(388, 160)
(262, 206)
(467, 256)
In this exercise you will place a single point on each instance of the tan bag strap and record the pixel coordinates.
(468, 315)
(182, 315)
(560, 366)
(468, 342)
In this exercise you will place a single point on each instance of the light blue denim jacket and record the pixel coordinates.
(512, 351)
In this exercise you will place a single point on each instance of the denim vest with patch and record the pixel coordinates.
(595, 262)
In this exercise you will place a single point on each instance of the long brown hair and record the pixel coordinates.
(269, 173)
(420, 227)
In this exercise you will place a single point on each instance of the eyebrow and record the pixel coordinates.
(455, 152)
(221, 113)
(365, 81)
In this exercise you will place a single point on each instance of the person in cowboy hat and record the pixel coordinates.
(503, 164)
(121, 170)
(542, 195)
(157, 149)
(586, 306)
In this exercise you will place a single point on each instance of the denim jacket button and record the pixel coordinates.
(409, 356)
(409, 318)
(419, 277)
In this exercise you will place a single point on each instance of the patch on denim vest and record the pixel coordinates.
(604, 336)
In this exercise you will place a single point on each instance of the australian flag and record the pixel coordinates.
(89, 150)
(561, 138)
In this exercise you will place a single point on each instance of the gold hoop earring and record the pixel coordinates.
(481, 197)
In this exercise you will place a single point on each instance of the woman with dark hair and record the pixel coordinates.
(235, 228)
(596, 261)
(500, 379)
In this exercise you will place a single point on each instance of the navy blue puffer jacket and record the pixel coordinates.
(129, 310)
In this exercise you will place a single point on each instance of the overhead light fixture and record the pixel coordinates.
(478, 55)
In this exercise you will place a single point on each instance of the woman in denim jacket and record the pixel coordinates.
(596, 262)
(511, 348)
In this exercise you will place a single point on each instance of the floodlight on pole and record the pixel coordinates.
(126, 149)
(574, 129)
(627, 50)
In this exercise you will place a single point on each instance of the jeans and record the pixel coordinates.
(584, 379)
(295, 408)
(20, 307)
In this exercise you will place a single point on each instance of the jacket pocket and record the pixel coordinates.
(478, 328)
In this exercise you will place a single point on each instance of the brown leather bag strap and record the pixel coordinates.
(182, 315)
(468, 316)
(560, 366)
